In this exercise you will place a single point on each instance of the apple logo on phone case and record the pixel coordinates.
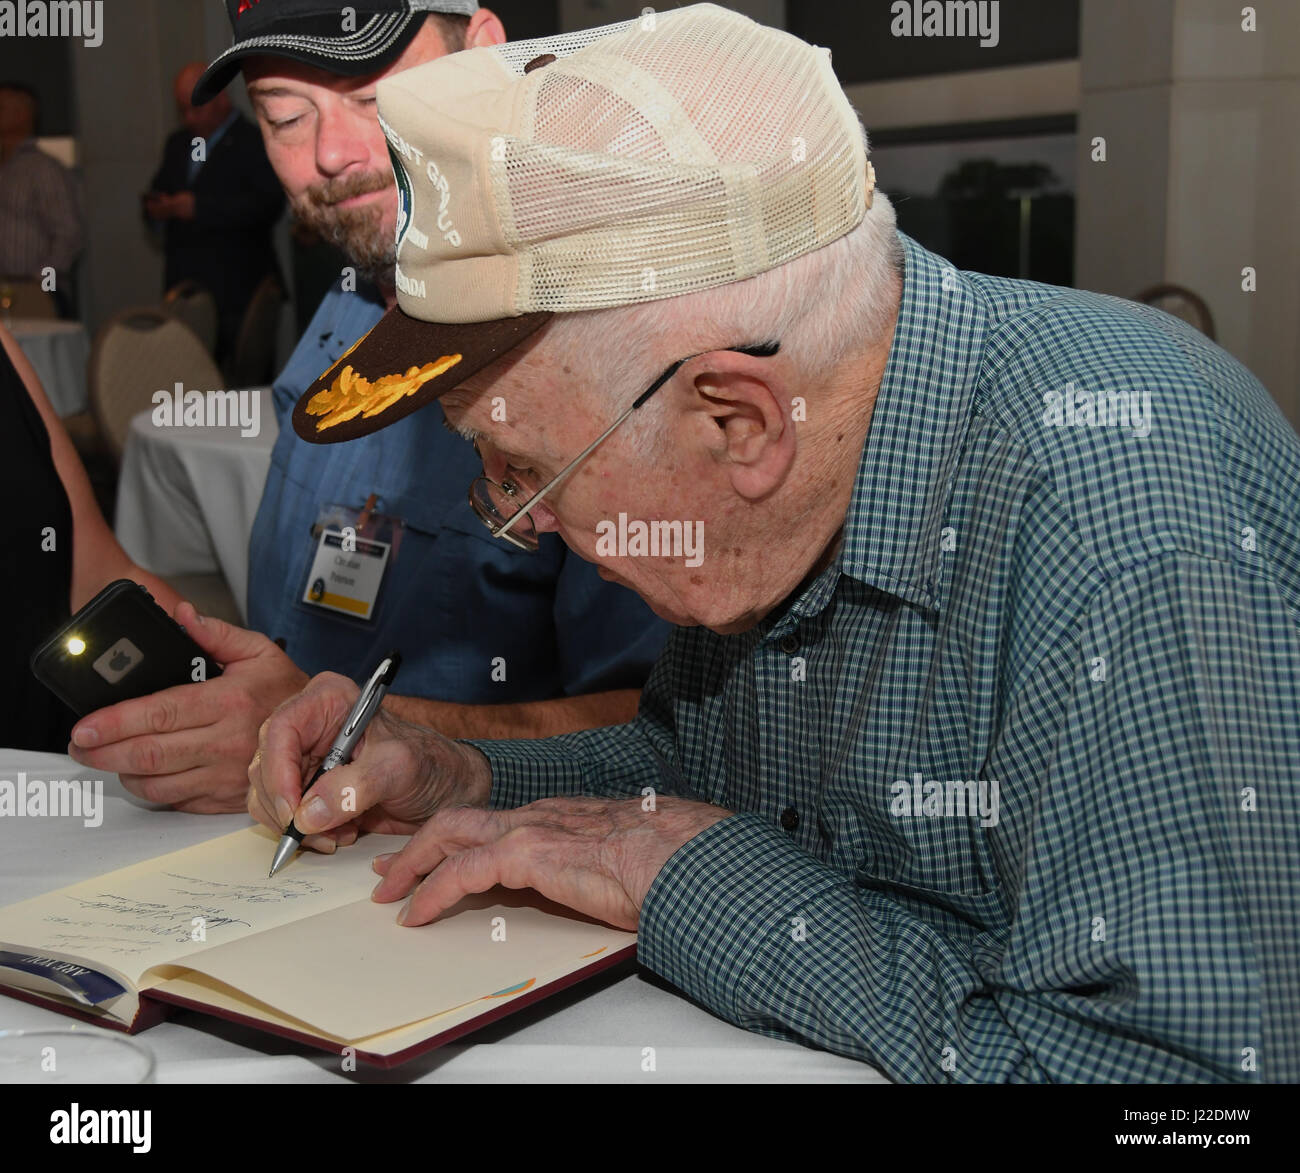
(121, 658)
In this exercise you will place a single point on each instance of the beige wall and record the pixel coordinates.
(1202, 176)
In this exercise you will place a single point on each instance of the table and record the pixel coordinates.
(593, 1033)
(187, 496)
(60, 352)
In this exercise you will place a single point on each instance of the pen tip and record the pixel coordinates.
(288, 845)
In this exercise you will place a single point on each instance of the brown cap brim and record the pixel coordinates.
(402, 364)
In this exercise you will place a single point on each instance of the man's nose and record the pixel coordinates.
(544, 520)
(341, 139)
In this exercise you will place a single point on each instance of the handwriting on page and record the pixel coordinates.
(280, 892)
(125, 925)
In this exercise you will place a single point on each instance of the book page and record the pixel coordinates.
(309, 943)
(208, 991)
(170, 909)
(354, 972)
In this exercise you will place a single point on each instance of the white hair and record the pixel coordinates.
(821, 307)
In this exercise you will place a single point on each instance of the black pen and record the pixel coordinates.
(341, 751)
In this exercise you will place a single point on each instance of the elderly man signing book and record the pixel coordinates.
(974, 753)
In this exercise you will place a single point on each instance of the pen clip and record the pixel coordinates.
(371, 694)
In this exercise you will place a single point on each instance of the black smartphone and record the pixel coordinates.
(119, 646)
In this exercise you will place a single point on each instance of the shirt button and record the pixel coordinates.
(789, 644)
(789, 818)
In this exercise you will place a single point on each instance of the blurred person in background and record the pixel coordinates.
(40, 214)
(217, 201)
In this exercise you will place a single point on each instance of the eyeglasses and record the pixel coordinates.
(501, 506)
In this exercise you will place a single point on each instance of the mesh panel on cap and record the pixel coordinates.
(517, 54)
(660, 162)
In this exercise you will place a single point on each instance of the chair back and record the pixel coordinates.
(27, 299)
(1180, 302)
(136, 354)
(254, 354)
(196, 307)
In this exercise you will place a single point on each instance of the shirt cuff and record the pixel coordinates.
(525, 771)
(729, 896)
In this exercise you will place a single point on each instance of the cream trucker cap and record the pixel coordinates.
(642, 160)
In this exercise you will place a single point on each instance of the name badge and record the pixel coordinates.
(346, 574)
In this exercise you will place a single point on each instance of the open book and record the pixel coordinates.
(306, 954)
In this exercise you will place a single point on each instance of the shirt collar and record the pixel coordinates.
(893, 529)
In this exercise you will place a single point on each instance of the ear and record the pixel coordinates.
(485, 28)
(739, 409)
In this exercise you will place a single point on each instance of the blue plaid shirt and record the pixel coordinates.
(1017, 778)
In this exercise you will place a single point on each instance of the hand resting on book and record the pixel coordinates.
(598, 856)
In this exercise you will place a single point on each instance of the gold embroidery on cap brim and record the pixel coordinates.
(352, 394)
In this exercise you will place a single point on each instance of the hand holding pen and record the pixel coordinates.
(354, 727)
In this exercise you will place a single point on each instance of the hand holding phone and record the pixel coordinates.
(119, 646)
(186, 744)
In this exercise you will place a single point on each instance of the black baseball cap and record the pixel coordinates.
(364, 40)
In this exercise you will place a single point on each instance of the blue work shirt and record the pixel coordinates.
(461, 606)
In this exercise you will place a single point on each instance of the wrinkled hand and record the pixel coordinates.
(189, 746)
(597, 856)
(399, 774)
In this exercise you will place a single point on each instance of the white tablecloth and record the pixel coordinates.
(187, 496)
(595, 1032)
(59, 351)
